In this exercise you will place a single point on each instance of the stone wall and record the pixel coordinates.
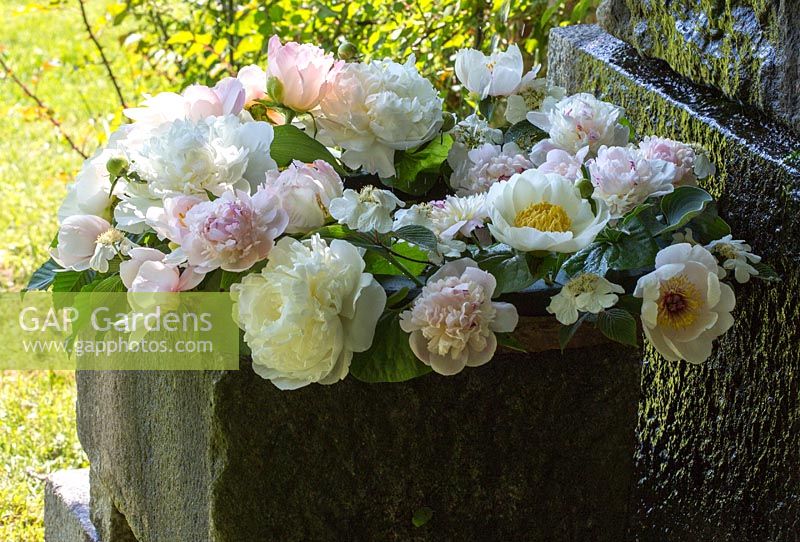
(536, 446)
(719, 445)
(749, 49)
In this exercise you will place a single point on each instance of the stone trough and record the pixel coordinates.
(542, 446)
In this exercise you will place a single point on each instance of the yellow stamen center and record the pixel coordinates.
(678, 303)
(727, 251)
(583, 283)
(110, 237)
(543, 216)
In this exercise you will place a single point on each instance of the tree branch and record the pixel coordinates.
(102, 53)
(42, 106)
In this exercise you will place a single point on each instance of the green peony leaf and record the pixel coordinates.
(418, 170)
(682, 205)
(708, 226)
(766, 272)
(565, 333)
(418, 235)
(524, 134)
(390, 358)
(511, 269)
(71, 281)
(42, 278)
(618, 325)
(291, 143)
(421, 516)
(410, 256)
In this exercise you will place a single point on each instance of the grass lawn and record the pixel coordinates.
(47, 47)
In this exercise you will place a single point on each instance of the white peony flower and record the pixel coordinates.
(451, 220)
(469, 134)
(308, 310)
(367, 210)
(306, 192)
(90, 194)
(147, 271)
(565, 164)
(169, 221)
(496, 75)
(489, 165)
(736, 256)
(214, 155)
(234, 231)
(586, 292)
(685, 306)
(578, 121)
(533, 93)
(453, 321)
(675, 152)
(88, 242)
(536, 211)
(623, 178)
(372, 109)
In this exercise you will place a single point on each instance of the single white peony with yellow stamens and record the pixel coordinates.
(685, 306)
(538, 211)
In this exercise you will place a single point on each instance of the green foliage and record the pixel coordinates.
(682, 205)
(418, 170)
(199, 42)
(43, 277)
(291, 143)
(618, 325)
(510, 269)
(422, 516)
(390, 359)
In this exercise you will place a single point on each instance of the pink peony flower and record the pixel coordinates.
(226, 98)
(675, 152)
(302, 73)
(147, 271)
(169, 222)
(234, 231)
(254, 81)
(488, 164)
(565, 164)
(624, 178)
(306, 192)
(453, 321)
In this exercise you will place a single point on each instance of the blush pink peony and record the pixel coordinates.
(301, 73)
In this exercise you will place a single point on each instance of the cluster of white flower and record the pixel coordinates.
(194, 189)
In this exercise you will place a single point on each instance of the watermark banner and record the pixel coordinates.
(118, 331)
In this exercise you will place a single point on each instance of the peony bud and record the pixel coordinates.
(116, 166)
(347, 51)
(275, 89)
(586, 188)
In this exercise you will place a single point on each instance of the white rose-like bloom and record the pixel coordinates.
(215, 154)
(533, 93)
(308, 310)
(489, 164)
(372, 109)
(736, 256)
(453, 321)
(367, 210)
(498, 74)
(233, 232)
(586, 292)
(306, 192)
(88, 242)
(685, 306)
(578, 121)
(536, 211)
(623, 178)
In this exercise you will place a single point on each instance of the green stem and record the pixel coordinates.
(395, 262)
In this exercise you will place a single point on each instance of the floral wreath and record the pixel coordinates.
(359, 228)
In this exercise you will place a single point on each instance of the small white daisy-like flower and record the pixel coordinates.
(367, 210)
(586, 292)
(736, 256)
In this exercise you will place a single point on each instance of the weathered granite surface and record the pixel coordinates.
(66, 507)
(536, 447)
(749, 49)
(719, 444)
